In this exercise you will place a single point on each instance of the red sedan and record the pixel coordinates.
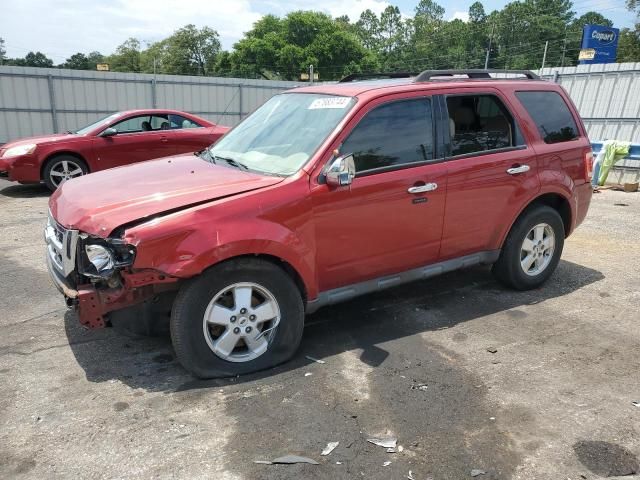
(119, 139)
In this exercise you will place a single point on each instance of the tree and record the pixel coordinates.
(77, 61)
(629, 45)
(477, 13)
(285, 47)
(126, 57)
(3, 51)
(93, 59)
(367, 29)
(37, 59)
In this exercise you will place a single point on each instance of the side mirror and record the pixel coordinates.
(109, 132)
(341, 172)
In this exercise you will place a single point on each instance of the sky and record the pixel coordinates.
(60, 28)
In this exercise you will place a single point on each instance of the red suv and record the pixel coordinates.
(325, 193)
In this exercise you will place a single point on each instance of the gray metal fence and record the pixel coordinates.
(43, 100)
(37, 101)
(607, 96)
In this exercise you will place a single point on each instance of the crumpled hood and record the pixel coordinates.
(100, 202)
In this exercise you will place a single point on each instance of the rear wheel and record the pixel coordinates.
(532, 250)
(238, 317)
(62, 168)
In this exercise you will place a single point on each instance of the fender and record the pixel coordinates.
(548, 185)
(186, 243)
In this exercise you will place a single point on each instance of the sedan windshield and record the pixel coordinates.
(281, 136)
(103, 121)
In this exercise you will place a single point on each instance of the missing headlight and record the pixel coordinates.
(101, 258)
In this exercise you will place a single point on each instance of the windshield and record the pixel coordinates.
(104, 121)
(281, 136)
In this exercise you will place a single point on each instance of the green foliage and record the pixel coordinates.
(629, 45)
(31, 59)
(77, 61)
(126, 58)
(284, 47)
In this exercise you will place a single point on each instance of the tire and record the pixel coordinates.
(62, 168)
(510, 268)
(198, 344)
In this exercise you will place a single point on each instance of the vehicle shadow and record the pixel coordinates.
(25, 191)
(364, 323)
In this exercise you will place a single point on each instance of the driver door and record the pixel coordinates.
(390, 218)
(138, 138)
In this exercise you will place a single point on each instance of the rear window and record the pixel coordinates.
(551, 114)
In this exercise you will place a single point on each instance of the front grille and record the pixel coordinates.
(61, 246)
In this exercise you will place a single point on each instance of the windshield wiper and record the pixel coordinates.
(205, 155)
(232, 162)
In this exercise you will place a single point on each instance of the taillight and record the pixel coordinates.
(588, 165)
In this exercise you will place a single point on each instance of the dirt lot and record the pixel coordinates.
(553, 402)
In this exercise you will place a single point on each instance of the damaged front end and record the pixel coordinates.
(95, 274)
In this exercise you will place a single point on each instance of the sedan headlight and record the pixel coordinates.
(100, 257)
(19, 150)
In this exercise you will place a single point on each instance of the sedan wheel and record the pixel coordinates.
(62, 168)
(63, 171)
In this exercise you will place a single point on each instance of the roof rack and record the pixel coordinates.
(354, 77)
(473, 74)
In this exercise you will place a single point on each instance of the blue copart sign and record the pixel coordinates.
(601, 41)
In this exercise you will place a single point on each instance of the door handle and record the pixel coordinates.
(518, 169)
(164, 139)
(428, 187)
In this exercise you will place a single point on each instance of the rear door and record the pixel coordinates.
(139, 138)
(492, 171)
(390, 218)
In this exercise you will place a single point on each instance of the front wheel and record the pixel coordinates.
(62, 168)
(532, 249)
(238, 317)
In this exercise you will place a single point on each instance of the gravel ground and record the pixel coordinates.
(553, 402)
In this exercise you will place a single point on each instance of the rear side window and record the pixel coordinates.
(392, 134)
(551, 114)
(178, 121)
(480, 123)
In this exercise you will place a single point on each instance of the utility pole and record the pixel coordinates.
(564, 50)
(311, 74)
(544, 57)
(486, 59)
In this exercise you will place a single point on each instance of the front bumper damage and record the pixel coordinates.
(93, 303)
(93, 299)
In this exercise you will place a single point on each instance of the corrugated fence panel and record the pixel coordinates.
(606, 96)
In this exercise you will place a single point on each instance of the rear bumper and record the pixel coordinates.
(583, 194)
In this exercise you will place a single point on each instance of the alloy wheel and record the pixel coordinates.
(537, 249)
(64, 170)
(240, 322)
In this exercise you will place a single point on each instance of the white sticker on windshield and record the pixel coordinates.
(329, 102)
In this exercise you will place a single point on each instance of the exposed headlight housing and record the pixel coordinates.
(19, 150)
(101, 258)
